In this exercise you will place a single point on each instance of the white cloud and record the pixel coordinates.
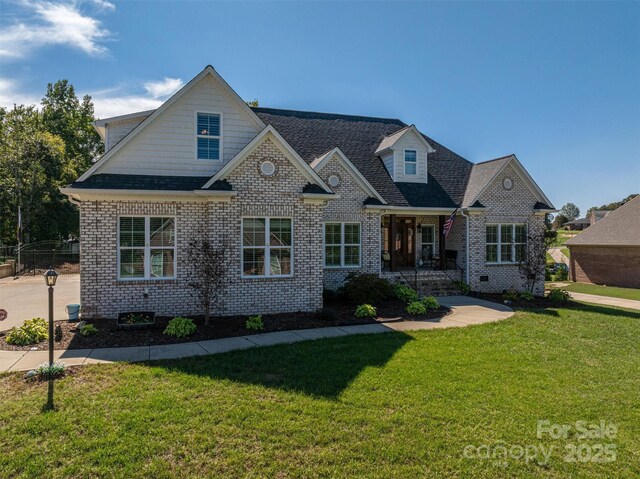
(107, 102)
(53, 23)
(164, 88)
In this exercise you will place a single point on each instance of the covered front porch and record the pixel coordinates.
(415, 243)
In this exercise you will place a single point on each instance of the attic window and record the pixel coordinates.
(208, 136)
(410, 162)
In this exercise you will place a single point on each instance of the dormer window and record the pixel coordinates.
(410, 162)
(208, 136)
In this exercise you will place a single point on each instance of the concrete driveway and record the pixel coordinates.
(27, 297)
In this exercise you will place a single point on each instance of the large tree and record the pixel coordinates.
(570, 211)
(32, 168)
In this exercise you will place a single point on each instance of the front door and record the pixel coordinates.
(404, 246)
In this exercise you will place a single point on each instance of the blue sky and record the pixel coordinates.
(555, 83)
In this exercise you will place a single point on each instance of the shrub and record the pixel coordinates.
(562, 274)
(44, 371)
(255, 323)
(405, 293)
(559, 296)
(88, 330)
(179, 327)
(330, 295)
(463, 287)
(31, 332)
(327, 314)
(526, 296)
(366, 288)
(430, 302)
(511, 295)
(416, 308)
(365, 311)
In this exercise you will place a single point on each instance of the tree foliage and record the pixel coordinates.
(41, 151)
(612, 206)
(559, 221)
(570, 211)
(533, 264)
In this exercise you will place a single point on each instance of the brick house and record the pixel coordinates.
(608, 252)
(299, 199)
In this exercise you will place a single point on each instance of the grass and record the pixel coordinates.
(389, 406)
(563, 236)
(565, 251)
(611, 291)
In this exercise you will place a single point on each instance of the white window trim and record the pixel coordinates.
(404, 162)
(147, 248)
(267, 248)
(422, 242)
(499, 243)
(342, 245)
(219, 137)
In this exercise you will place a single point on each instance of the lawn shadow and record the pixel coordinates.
(321, 368)
(606, 310)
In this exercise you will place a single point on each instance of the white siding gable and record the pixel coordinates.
(167, 146)
(116, 131)
(387, 159)
(410, 142)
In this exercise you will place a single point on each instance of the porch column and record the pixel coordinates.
(442, 247)
(392, 242)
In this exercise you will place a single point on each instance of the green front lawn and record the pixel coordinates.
(612, 291)
(565, 251)
(390, 405)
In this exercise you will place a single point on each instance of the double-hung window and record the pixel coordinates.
(208, 136)
(342, 245)
(506, 243)
(146, 247)
(428, 242)
(267, 247)
(410, 162)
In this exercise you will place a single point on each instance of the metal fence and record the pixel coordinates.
(36, 258)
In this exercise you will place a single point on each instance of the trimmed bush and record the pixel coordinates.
(44, 371)
(179, 327)
(464, 288)
(405, 293)
(430, 302)
(559, 296)
(562, 274)
(255, 323)
(511, 295)
(327, 314)
(526, 296)
(366, 288)
(365, 311)
(88, 330)
(416, 308)
(31, 332)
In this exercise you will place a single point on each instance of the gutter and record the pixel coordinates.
(466, 269)
(78, 194)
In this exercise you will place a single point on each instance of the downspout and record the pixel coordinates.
(466, 269)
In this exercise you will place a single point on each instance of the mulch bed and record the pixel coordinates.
(109, 336)
(536, 303)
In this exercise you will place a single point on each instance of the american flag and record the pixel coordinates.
(446, 228)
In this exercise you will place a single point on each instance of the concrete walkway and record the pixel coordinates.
(558, 256)
(606, 300)
(466, 311)
(28, 297)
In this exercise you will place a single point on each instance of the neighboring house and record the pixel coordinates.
(300, 199)
(597, 215)
(577, 225)
(608, 252)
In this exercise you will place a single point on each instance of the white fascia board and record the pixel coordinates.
(321, 161)
(289, 152)
(93, 194)
(209, 70)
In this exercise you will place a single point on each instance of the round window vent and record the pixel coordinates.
(334, 180)
(267, 168)
(507, 183)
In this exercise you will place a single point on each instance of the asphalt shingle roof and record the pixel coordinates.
(480, 175)
(621, 227)
(142, 182)
(312, 134)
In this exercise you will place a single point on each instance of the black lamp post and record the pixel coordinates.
(50, 278)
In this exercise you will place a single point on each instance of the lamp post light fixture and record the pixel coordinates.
(50, 278)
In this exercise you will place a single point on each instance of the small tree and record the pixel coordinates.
(208, 271)
(570, 211)
(532, 266)
(559, 221)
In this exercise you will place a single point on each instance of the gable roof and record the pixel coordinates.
(482, 174)
(388, 142)
(208, 71)
(269, 132)
(621, 227)
(322, 160)
(313, 134)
